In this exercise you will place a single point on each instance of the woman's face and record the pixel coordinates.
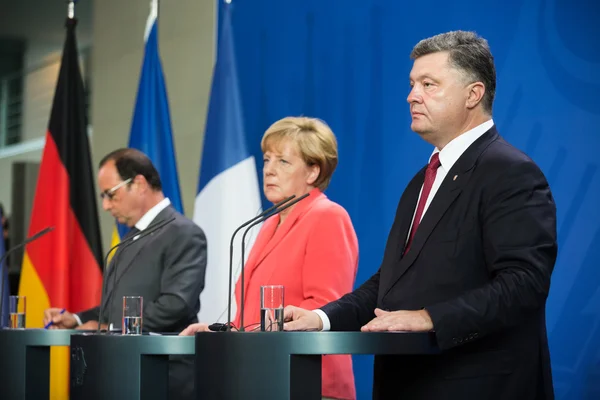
(285, 173)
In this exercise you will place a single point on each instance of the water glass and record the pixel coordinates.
(132, 315)
(17, 310)
(271, 308)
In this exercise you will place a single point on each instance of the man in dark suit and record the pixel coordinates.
(471, 250)
(166, 267)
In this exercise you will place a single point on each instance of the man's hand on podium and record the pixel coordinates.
(59, 319)
(91, 326)
(299, 319)
(195, 328)
(402, 320)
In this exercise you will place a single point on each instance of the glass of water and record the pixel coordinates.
(132, 315)
(271, 308)
(17, 310)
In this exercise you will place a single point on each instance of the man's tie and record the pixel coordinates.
(132, 232)
(430, 174)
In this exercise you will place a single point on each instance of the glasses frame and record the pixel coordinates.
(110, 193)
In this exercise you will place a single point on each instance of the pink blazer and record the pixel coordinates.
(314, 255)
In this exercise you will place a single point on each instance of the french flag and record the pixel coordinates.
(228, 191)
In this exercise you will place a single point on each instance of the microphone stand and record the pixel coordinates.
(6, 254)
(277, 211)
(230, 284)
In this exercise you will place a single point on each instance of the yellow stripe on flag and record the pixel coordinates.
(37, 301)
(59, 372)
(114, 240)
(36, 296)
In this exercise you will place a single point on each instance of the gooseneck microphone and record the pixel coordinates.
(26, 242)
(125, 243)
(262, 214)
(258, 221)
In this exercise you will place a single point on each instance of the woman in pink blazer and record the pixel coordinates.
(310, 248)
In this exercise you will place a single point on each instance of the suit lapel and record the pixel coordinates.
(406, 210)
(445, 196)
(266, 233)
(299, 209)
(273, 235)
(116, 255)
(123, 261)
(129, 254)
(123, 258)
(448, 192)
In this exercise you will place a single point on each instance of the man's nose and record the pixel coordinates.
(106, 203)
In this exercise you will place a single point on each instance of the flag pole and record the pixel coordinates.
(154, 7)
(71, 9)
(152, 18)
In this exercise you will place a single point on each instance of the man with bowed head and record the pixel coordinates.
(166, 267)
(471, 250)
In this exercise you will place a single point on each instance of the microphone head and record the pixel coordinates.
(44, 231)
(47, 230)
(218, 327)
(38, 235)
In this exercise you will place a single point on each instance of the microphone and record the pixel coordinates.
(26, 242)
(125, 243)
(262, 214)
(277, 211)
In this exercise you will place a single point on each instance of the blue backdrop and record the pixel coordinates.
(346, 61)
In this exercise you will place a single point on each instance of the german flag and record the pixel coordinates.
(64, 269)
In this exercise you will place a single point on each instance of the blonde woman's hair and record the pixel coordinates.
(314, 140)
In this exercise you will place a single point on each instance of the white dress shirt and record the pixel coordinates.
(448, 156)
(142, 224)
(147, 218)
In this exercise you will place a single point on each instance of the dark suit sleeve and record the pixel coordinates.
(181, 282)
(355, 309)
(92, 314)
(518, 232)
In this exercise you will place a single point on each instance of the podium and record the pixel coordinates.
(123, 367)
(286, 365)
(25, 361)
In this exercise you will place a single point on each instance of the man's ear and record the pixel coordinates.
(476, 93)
(141, 182)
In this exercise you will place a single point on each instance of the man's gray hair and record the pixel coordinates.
(468, 53)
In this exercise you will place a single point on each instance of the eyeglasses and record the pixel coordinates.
(110, 193)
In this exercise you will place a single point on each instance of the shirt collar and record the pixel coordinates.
(152, 213)
(457, 146)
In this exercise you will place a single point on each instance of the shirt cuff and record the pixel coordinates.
(77, 319)
(324, 319)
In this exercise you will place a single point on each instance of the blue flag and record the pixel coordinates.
(151, 123)
(228, 192)
(4, 291)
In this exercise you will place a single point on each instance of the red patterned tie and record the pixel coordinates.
(430, 173)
